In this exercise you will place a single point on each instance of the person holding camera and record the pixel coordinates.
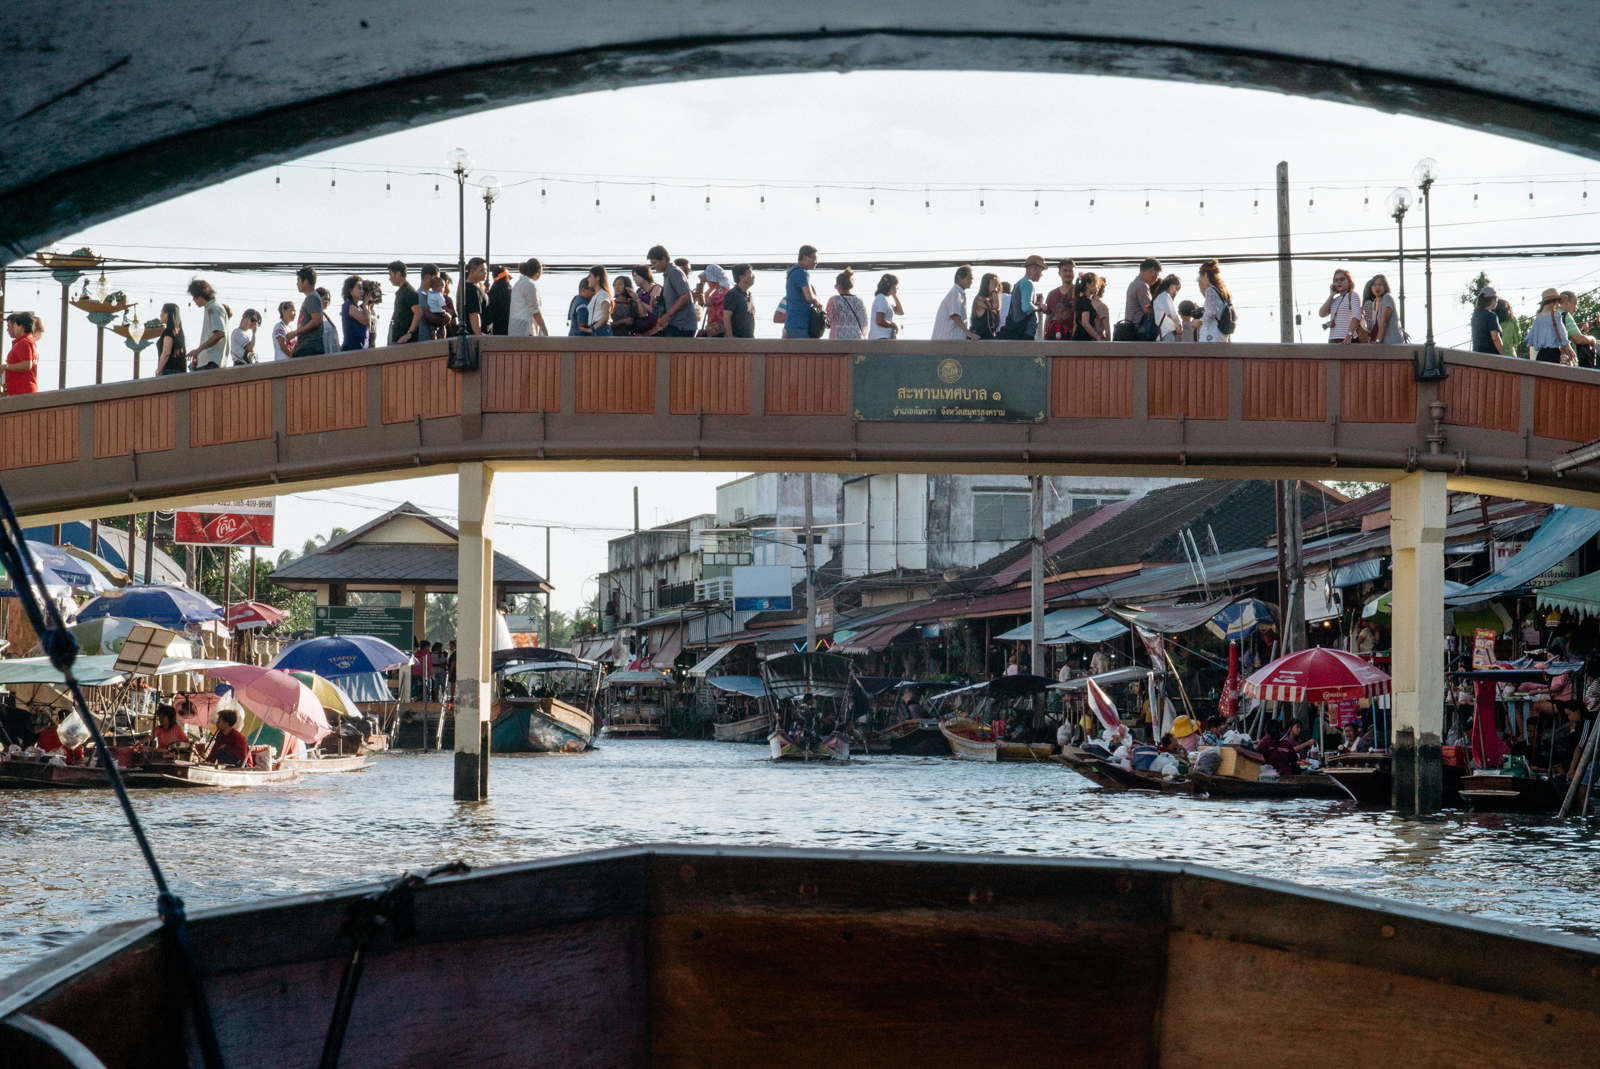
(242, 342)
(1342, 305)
(355, 314)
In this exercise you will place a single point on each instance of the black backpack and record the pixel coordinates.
(1227, 319)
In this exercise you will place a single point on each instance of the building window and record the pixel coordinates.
(999, 517)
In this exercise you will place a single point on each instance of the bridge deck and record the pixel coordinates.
(564, 403)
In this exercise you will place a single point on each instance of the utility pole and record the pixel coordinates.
(1036, 535)
(1278, 488)
(1285, 271)
(638, 560)
(547, 579)
(149, 545)
(811, 576)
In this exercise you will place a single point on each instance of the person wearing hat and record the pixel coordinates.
(717, 284)
(1486, 325)
(1022, 317)
(1547, 334)
(1183, 730)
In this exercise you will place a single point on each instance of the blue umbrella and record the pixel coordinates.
(341, 655)
(174, 607)
(60, 570)
(1240, 619)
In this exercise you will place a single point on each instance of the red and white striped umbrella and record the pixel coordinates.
(1318, 675)
(243, 615)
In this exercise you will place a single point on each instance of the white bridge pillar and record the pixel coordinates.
(474, 630)
(1418, 512)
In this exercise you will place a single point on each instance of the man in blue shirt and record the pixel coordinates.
(1021, 323)
(678, 319)
(800, 299)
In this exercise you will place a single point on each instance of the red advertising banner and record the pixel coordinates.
(229, 523)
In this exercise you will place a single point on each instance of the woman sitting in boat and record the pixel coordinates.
(1185, 734)
(228, 745)
(1279, 751)
(168, 730)
(1352, 741)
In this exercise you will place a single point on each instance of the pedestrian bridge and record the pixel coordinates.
(562, 404)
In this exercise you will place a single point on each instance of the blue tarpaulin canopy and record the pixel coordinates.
(1360, 572)
(1069, 625)
(1557, 538)
(750, 686)
(1101, 630)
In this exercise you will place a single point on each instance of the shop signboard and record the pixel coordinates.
(227, 523)
(393, 625)
(761, 587)
(917, 388)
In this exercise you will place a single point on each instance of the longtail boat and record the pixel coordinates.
(921, 738)
(315, 764)
(32, 774)
(1367, 777)
(785, 747)
(750, 729)
(1494, 791)
(190, 774)
(731, 957)
(1113, 777)
(1313, 786)
(539, 725)
(969, 715)
(969, 739)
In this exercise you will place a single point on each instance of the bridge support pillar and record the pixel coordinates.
(474, 630)
(1418, 509)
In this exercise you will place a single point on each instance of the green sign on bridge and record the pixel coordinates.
(392, 625)
(916, 388)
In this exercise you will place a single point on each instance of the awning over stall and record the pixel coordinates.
(749, 686)
(1169, 619)
(872, 639)
(1558, 538)
(1580, 595)
(1056, 625)
(705, 664)
(1360, 572)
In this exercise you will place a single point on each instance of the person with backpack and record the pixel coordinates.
(1139, 319)
(800, 299)
(1022, 314)
(1218, 319)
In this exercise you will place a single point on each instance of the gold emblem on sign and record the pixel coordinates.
(949, 370)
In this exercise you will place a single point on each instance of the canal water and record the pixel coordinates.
(68, 863)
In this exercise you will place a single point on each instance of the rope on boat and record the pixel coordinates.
(393, 908)
(62, 648)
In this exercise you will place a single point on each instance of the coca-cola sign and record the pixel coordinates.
(228, 523)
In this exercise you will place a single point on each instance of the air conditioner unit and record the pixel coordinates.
(719, 589)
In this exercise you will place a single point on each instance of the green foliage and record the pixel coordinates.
(1353, 488)
(966, 650)
(1469, 296)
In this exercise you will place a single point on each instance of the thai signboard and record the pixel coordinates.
(228, 523)
(393, 625)
(947, 389)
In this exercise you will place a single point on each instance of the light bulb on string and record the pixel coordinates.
(817, 191)
(333, 184)
(1036, 202)
(541, 191)
(436, 191)
(277, 180)
(927, 203)
(1474, 196)
(388, 185)
(708, 198)
(1202, 202)
(1311, 204)
(597, 198)
(1091, 202)
(1366, 200)
(652, 196)
(1147, 202)
(763, 198)
(983, 209)
(872, 201)
(1530, 196)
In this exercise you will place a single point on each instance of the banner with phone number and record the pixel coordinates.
(227, 523)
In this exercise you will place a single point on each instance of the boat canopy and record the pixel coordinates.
(1001, 687)
(791, 675)
(704, 665)
(524, 654)
(1104, 679)
(750, 686)
(567, 665)
(872, 686)
(635, 677)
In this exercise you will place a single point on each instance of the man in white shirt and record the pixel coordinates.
(950, 323)
(242, 342)
(1102, 661)
(527, 314)
(214, 327)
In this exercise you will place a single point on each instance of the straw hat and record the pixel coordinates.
(1182, 727)
(1034, 261)
(1549, 296)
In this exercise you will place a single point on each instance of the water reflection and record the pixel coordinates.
(67, 863)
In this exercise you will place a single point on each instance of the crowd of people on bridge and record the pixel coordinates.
(659, 298)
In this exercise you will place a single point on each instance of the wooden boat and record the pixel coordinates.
(969, 739)
(636, 717)
(1367, 778)
(314, 763)
(1031, 752)
(539, 725)
(785, 748)
(1113, 777)
(750, 729)
(189, 774)
(27, 774)
(1494, 791)
(1314, 786)
(724, 957)
(920, 738)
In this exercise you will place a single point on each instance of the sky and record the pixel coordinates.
(924, 148)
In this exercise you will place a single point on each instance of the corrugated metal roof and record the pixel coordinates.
(401, 563)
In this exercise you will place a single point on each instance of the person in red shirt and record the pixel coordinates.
(50, 742)
(228, 746)
(22, 363)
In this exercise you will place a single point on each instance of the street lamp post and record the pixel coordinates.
(1399, 203)
(460, 162)
(1425, 173)
(491, 192)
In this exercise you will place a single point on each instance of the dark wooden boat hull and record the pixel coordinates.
(540, 726)
(727, 957)
(1113, 777)
(1513, 794)
(1287, 787)
(1369, 781)
(43, 776)
(751, 729)
(924, 740)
